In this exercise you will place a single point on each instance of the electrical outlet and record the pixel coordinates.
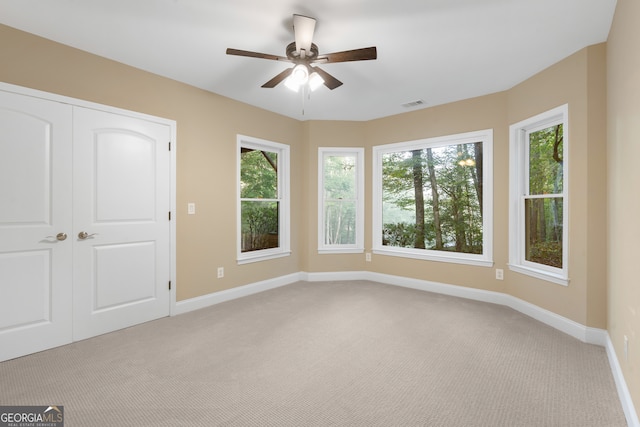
(499, 274)
(626, 348)
(191, 208)
(220, 272)
(367, 256)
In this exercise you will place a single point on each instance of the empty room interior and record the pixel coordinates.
(150, 184)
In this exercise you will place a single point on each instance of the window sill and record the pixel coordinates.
(262, 257)
(540, 274)
(323, 251)
(477, 260)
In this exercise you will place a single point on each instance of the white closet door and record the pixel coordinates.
(35, 225)
(121, 181)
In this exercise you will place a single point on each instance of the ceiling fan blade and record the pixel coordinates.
(250, 54)
(363, 54)
(277, 79)
(329, 81)
(303, 28)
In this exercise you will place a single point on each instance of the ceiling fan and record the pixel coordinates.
(304, 54)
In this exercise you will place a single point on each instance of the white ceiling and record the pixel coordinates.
(437, 51)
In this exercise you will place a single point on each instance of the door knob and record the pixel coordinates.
(59, 236)
(84, 235)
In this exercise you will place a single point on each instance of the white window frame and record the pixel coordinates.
(358, 247)
(519, 176)
(284, 238)
(486, 258)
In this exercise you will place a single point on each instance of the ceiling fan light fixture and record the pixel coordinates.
(315, 81)
(298, 77)
(292, 85)
(300, 74)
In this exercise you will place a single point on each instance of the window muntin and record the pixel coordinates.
(538, 214)
(448, 182)
(340, 200)
(263, 203)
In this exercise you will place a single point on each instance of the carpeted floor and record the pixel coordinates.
(326, 354)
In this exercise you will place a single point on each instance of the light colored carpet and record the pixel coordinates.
(326, 354)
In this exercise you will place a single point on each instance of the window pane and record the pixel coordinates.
(340, 177)
(543, 230)
(259, 225)
(545, 161)
(340, 223)
(432, 198)
(258, 174)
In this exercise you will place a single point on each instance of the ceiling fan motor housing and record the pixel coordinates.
(296, 56)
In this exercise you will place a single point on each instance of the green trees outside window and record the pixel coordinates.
(259, 201)
(433, 198)
(340, 199)
(544, 200)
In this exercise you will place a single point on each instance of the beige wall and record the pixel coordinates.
(578, 81)
(487, 112)
(207, 128)
(327, 134)
(206, 149)
(623, 118)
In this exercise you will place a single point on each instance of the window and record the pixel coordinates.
(433, 198)
(538, 210)
(340, 200)
(263, 199)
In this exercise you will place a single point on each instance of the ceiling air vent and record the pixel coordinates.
(413, 103)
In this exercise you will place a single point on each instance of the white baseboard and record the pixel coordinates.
(568, 326)
(334, 276)
(621, 386)
(191, 304)
(583, 333)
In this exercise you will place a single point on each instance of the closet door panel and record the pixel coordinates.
(35, 221)
(121, 204)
